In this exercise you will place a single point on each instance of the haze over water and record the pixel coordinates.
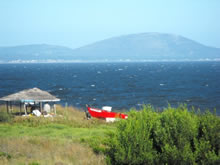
(120, 85)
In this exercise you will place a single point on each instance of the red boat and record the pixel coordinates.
(106, 114)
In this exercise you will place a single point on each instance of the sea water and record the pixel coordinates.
(120, 85)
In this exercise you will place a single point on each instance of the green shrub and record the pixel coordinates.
(34, 163)
(132, 142)
(207, 142)
(4, 154)
(5, 117)
(174, 136)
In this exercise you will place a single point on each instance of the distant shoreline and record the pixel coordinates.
(102, 61)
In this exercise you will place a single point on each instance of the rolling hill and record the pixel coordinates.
(134, 47)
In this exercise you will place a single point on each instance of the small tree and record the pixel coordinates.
(174, 136)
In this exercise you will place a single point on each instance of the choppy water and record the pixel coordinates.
(120, 85)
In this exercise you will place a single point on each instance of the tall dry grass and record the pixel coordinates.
(64, 115)
(36, 150)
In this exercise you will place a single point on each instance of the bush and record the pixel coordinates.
(174, 136)
(207, 142)
(4, 154)
(5, 117)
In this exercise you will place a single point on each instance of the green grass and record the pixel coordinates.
(65, 138)
(51, 131)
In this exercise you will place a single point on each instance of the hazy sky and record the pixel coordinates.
(75, 23)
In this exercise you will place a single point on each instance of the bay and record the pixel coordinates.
(120, 85)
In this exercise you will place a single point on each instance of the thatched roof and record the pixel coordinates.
(34, 94)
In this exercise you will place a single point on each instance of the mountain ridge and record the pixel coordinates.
(133, 47)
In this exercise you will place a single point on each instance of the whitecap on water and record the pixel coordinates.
(162, 84)
(92, 85)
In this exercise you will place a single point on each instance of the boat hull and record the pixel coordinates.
(99, 113)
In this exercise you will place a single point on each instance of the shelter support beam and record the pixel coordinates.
(25, 109)
(54, 107)
(20, 108)
(41, 109)
(7, 106)
(10, 106)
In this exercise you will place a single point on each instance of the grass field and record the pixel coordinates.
(64, 139)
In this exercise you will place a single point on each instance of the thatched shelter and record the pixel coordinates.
(34, 96)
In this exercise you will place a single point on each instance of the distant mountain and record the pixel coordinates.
(135, 47)
(37, 52)
(147, 46)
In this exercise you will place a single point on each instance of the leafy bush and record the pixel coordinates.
(4, 154)
(174, 136)
(207, 142)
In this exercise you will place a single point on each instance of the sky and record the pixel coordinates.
(76, 23)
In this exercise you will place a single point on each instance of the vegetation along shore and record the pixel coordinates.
(173, 136)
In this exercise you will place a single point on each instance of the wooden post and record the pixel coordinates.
(10, 107)
(20, 108)
(55, 111)
(25, 110)
(41, 107)
(7, 106)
